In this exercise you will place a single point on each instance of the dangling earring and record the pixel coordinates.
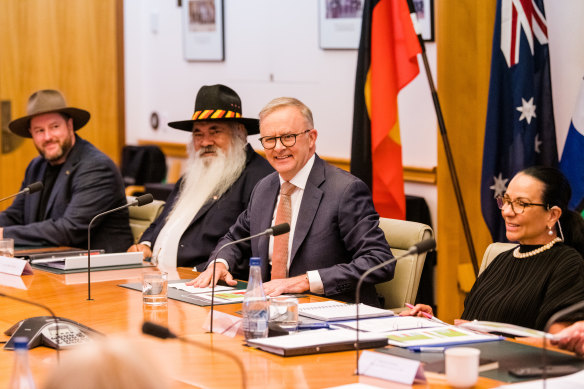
(550, 232)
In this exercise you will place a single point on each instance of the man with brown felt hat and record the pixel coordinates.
(79, 182)
(221, 174)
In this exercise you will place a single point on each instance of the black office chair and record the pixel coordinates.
(143, 164)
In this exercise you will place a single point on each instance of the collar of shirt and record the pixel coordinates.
(300, 179)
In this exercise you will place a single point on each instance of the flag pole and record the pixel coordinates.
(446, 144)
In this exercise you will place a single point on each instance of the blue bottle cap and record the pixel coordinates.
(254, 261)
(21, 343)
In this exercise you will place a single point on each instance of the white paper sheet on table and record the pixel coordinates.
(191, 289)
(387, 324)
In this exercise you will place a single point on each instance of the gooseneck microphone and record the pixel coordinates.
(161, 332)
(46, 309)
(32, 188)
(276, 230)
(418, 248)
(138, 202)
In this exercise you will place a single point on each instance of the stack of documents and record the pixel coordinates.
(98, 260)
(317, 341)
(334, 311)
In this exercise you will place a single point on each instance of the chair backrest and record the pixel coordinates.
(142, 164)
(401, 235)
(492, 251)
(142, 217)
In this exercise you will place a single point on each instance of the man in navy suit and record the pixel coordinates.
(79, 182)
(334, 229)
(222, 171)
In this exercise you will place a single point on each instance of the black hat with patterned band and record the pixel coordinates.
(217, 102)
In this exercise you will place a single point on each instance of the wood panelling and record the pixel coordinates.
(464, 40)
(411, 174)
(70, 45)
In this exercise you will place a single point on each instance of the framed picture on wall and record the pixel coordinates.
(340, 23)
(203, 30)
(425, 14)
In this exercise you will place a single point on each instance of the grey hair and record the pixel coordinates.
(282, 102)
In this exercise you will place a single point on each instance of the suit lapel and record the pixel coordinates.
(309, 204)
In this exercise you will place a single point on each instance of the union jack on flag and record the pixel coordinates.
(520, 130)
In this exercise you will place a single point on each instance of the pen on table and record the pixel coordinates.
(312, 326)
(426, 314)
(427, 349)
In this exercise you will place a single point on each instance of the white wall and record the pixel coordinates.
(272, 49)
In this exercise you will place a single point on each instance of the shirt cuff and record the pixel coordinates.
(219, 260)
(315, 282)
(146, 243)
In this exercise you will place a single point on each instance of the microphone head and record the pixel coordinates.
(280, 229)
(35, 187)
(156, 330)
(144, 199)
(425, 245)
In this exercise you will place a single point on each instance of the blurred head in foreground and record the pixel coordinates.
(112, 363)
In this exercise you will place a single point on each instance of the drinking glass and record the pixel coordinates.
(155, 288)
(284, 313)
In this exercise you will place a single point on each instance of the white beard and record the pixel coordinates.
(206, 177)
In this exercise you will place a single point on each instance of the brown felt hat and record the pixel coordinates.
(217, 102)
(47, 101)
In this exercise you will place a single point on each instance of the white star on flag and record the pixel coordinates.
(527, 110)
(499, 186)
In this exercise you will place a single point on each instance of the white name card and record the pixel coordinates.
(14, 266)
(391, 368)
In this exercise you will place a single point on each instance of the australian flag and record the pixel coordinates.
(520, 130)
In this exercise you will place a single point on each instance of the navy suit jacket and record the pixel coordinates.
(337, 233)
(88, 183)
(215, 217)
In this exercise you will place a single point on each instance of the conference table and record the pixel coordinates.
(114, 310)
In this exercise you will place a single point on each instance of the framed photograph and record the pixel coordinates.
(340, 23)
(425, 14)
(203, 30)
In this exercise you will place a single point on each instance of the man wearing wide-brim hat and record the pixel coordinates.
(79, 182)
(221, 174)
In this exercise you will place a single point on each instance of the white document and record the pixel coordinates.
(391, 368)
(14, 266)
(572, 381)
(504, 328)
(437, 336)
(333, 310)
(191, 289)
(388, 324)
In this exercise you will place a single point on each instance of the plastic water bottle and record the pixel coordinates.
(255, 304)
(21, 374)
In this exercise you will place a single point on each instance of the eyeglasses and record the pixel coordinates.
(287, 140)
(518, 206)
